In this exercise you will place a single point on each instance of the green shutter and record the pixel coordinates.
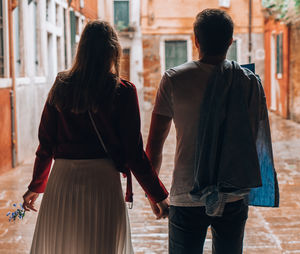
(232, 52)
(279, 54)
(121, 14)
(175, 53)
(73, 31)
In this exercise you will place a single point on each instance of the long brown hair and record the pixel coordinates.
(92, 79)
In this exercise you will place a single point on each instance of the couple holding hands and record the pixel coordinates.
(90, 126)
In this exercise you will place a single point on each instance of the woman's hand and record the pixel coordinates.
(29, 198)
(163, 209)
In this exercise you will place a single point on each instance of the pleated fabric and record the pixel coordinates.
(83, 211)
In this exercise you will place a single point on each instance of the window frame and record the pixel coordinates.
(129, 13)
(168, 43)
(5, 79)
(279, 48)
(224, 3)
(162, 53)
(238, 49)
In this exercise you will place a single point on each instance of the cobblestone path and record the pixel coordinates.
(268, 230)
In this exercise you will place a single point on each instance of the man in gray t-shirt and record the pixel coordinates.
(179, 98)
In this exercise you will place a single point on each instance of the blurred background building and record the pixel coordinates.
(282, 62)
(38, 38)
(167, 29)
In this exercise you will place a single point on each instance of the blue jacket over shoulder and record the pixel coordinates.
(234, 150)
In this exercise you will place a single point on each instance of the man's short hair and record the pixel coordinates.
(213, 29)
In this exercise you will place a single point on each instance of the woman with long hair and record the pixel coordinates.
(90, 125)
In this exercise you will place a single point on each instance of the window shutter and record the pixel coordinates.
(175, 53)
(279, 54)
(73, 31)
(232, 51)
(121, 14)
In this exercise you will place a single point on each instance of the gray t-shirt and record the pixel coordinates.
(180, 96)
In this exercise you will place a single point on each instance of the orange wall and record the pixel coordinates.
(177, 16)
(282, 96)
(90, 9)
(5, 130)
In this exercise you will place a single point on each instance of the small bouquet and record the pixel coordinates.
(19, 213)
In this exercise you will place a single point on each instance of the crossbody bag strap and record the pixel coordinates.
(98, 135)
(129, 180)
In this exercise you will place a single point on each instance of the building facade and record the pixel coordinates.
(294, 70)
(44, 36)
(277, 66)
(125, 16)
(167, 29)
(282, 63)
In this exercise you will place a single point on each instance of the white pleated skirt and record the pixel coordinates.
(83, 211)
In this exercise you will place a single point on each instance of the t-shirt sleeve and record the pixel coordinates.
(164, 98)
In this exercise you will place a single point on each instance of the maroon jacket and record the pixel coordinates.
(71, 136)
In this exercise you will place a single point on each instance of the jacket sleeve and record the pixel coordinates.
(44, 153)
(135, 155)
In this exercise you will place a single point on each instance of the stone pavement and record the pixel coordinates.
(268, 230)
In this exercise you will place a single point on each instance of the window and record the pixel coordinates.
(16, 29)
(59, 54)
(57, 15)
(279, 54)
(121, 14)
(65, 40)
(224, 3)
(232, 52)
(36, 40)
(175, 53)
(47, 10)
(81, 3)
(73, 31)
(1, 40)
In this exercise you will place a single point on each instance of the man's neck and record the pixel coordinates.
(213, 60)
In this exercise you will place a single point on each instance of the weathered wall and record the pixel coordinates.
(5, 130)
(177, 16)
(257, 53)
(29, 104)
(152, 68)
(280, 87)
(295, 72)
(90, 9)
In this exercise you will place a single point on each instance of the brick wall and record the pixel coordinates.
(125, 65)
(152, 68)
(90, 9)
(295, 72)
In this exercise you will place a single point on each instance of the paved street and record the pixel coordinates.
(268, 231)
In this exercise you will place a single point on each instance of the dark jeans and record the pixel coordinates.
(188, 227)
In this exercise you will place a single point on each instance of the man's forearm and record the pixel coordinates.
(159, 130)
(155, 156)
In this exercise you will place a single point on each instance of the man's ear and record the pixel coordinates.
(231, 41)
(196, 42)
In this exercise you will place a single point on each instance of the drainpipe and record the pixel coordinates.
(250, 32)
(13, 90)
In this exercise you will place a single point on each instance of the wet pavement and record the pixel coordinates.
(268, 230)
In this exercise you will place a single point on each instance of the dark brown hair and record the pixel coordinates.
(213, 30)
(92, 79)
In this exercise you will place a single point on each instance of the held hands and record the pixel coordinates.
(160, 209)
(29, 198)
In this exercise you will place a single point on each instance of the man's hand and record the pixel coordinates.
(29, 198)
